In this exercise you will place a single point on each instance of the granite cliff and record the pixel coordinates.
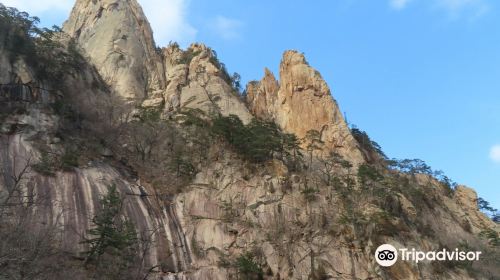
(302, 101)
(198, 208)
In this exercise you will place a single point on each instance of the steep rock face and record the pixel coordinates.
(301, 102)
(68, 200)
(197, 80)
(227, 212)
(117, 37)
(227, 216)
(262, 96)
(466, 198)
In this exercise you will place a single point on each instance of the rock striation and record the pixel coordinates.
(301, 102)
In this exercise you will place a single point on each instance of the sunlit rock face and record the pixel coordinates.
(197, 80)
(118, 39)
(119, 42)
(302, 101)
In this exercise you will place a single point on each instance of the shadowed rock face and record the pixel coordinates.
(118, 39)
(69, 201)
(300, 102)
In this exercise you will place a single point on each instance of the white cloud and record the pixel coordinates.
(37, 7)
(227, 28)
(457, 8)
(167, 17)
(168, 20)
(453, 8)
(398, 4)
(495, 153)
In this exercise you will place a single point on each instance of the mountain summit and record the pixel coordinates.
(302, 102)
(118, 39)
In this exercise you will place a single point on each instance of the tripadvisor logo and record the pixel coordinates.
(387, 255)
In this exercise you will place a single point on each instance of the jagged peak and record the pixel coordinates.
(85, 11)
(118, 39)
(198, 47)
(175, 55)
(296, 73)
(292, 57)
(269, 83)
(193, 47)
(268, 74)
(302, 101)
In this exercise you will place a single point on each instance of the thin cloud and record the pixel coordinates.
(452, 8)
(168, 20)
(227, 28)
(37, 7)
(399, 4)
(458, 8)
(495, 153)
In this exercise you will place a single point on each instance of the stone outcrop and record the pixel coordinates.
(262, 96)
(197, 80)
(466, 198)
(118, 39)
(300, 102)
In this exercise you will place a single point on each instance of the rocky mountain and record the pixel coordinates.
(127, 161)
(197, 80)
(117, 38)
(301, 102)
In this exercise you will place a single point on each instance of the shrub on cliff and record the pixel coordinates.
(248, 268)
(367, 144)
(258, 141)
(21, 37)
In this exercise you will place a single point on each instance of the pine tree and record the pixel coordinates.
(111, 233)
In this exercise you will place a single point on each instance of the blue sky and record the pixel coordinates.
(422, 77)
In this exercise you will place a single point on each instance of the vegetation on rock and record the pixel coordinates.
(258, 141)
(21, 37)
(111, 233)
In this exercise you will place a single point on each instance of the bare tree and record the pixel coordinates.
(15, 176)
